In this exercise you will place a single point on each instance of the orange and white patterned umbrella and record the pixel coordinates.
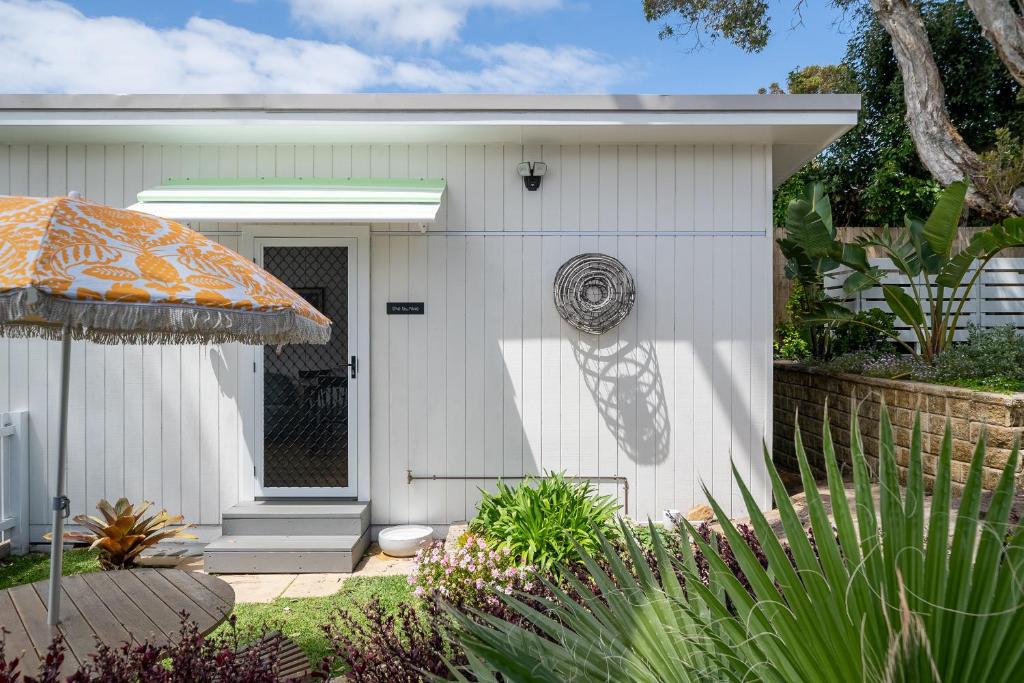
(113, 275)
(70, 268)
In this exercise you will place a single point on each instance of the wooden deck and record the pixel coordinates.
(115, 607)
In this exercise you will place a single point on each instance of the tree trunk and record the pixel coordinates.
(1004, 28)
(939, 145)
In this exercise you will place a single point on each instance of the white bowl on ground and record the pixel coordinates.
(404, 540)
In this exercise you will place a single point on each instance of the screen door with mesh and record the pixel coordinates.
(306, 404)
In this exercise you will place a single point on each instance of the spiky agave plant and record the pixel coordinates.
(124, 532)
(887, 594)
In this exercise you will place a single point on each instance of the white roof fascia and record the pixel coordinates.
(382, 102)
(261, 212)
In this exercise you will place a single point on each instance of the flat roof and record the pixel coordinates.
(796, 126)
(389, 102)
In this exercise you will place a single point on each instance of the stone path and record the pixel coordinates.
(251, 588)
(268, 587)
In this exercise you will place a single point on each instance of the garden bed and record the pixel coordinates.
(798, 388)
(301, 619)
(516, 603)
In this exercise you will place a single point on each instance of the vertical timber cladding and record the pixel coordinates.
(491, 382)
(488, 381)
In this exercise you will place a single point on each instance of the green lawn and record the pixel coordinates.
(299, 618)
(302, 619)
(19, 569)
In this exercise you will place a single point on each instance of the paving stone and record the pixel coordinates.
(376, 563)
(314, 585)
(455, 530)
(258, 587)
(252, 588)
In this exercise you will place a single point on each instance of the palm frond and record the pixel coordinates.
(882, 593)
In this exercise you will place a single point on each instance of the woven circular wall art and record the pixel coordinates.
(594, 292)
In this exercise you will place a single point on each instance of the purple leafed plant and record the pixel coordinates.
(412, 642)
(190, 658)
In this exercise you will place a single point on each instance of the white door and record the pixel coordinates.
(305, 393)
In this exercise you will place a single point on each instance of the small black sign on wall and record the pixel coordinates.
(405, 308)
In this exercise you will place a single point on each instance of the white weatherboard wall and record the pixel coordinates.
(490, 382)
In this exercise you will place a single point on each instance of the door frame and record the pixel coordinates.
(357, 241)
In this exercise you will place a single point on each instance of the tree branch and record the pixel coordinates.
(1004, 28)
(939, 145)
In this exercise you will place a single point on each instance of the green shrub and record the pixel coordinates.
(888, 365)
(996, 354)
(805, 335)
(790, 344)
(541, 519)
(887, 594)
(870, 330)
(990, 360)
(471, 573)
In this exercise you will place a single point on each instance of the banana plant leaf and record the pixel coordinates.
(984, 246)
(941, 228)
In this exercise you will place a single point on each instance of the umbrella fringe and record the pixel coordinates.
(32, 313)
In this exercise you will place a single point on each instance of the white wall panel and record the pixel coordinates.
(490, 381)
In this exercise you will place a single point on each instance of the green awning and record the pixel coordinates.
(385, 200)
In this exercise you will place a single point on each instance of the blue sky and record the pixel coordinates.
(386, 45)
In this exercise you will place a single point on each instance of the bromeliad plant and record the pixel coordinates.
(124, 532)
(940, 279)
(886, 591)
(540, 521)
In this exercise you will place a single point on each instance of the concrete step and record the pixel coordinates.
(285, 554)
(296, 518)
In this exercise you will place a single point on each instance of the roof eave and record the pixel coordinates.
(401, 102)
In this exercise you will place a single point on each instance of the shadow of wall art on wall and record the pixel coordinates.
(625, 381)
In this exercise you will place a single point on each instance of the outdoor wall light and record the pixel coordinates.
(532, 171)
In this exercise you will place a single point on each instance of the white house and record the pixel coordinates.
(406, 220)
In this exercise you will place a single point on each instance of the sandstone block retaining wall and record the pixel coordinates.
(808, 389)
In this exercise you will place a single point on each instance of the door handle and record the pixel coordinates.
(353, 367)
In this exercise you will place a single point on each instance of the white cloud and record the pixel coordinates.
(514, 68)
(416, 21)
(49, 46)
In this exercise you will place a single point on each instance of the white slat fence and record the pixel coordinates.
(997, 298)
(14, 482)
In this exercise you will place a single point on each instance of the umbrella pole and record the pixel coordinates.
(60, 499)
